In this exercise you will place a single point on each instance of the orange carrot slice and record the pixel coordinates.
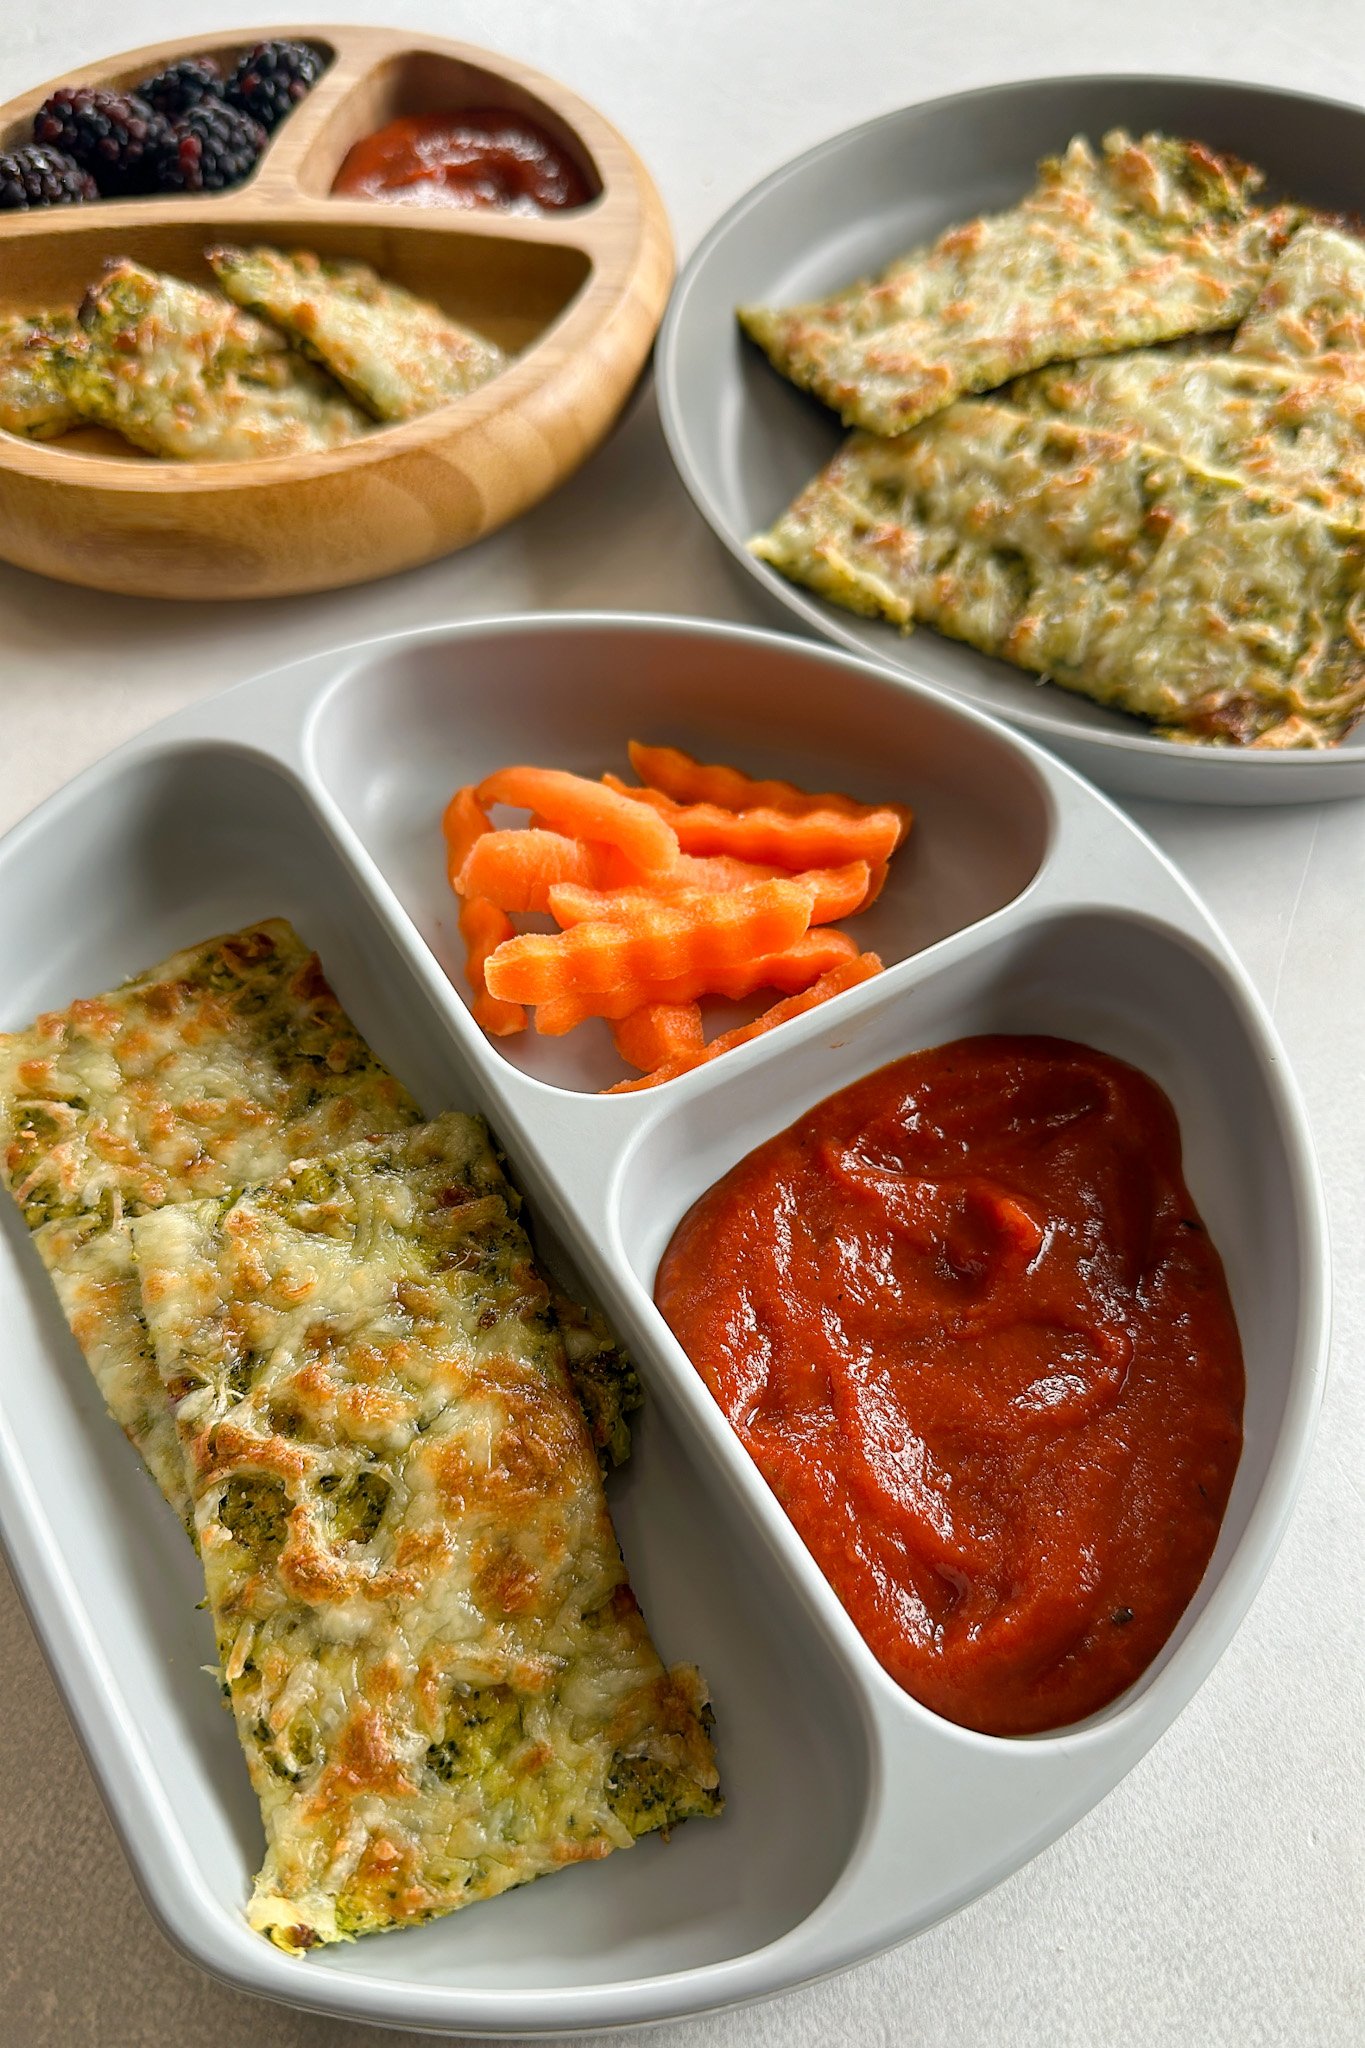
(838, 892)
(793, 840)
(790, 970)
(584, 810)
(846, 975)
(463, 821)
(717, 871)
(692, 940)
(483, 926)
(517, 870)
(689, 781)
(876, 882)
(657, 1033)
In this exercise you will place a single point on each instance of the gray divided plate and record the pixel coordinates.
(745, 441)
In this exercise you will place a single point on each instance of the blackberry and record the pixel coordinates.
(33, 175)
(113, 135)
(272, 79)
(211, 147)
(179, 87)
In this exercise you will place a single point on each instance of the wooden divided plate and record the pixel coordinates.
(575, 294)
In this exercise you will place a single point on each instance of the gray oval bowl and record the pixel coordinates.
(745, 441)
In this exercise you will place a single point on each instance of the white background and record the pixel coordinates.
(1218, 1896)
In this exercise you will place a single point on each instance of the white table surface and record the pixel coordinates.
(1218, 1896)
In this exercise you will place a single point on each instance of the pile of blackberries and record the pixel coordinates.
(188, 129)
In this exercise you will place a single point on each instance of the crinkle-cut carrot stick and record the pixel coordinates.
(838, 892)
(846, 975)
(463, 822)
(808, 839)
(876, 882)
(727, 871)
(482, 925)
(698, 937)
(658, 1032)
(484, 928)
(517, 870)
(583, 809)
(689, 781)
(723, 871)
(716, 871)
(794, 968)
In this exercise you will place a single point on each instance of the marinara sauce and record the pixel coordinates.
(968, 1324)
(471, 156)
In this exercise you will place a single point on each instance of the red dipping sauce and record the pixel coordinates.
(966, 1321)
(472, 156)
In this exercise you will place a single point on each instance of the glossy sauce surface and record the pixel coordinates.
(967, 1322)
(470, 156)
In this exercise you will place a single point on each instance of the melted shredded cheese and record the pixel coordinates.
(181, 372)
(220, 1065)
(1113, 567)
(440, 1678)
(1312, 309)
(1151, 239)
(395, 354)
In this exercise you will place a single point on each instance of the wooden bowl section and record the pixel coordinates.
(577, 294)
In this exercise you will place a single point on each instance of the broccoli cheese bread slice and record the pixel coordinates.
(184, 373)
(1117, 569)
(1296, 432)
(1284, 409)
(220, 1065)
(1148, 240)
(395, 354)
(605, 1381)
(1311, 310)
(188, 1080)
(33, 401)
(440, 1679)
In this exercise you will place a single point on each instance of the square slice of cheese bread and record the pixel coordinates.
(220, 1066)
(1113, 567)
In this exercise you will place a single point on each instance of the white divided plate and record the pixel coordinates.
(1023, 902)
(745, 441)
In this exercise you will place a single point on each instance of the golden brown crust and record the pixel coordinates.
(221, 1064)
(1215, 610)
(1150, 239)
(441, 1682)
